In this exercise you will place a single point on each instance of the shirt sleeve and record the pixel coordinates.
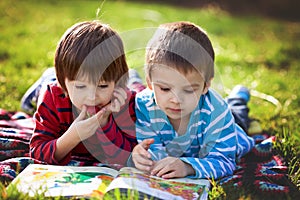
(47, 131)
(145, 129)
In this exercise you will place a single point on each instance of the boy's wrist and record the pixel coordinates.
(76, 134)
(105, 124)
(190, 170)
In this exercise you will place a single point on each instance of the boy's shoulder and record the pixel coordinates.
(215, 94)
(52, 92)
(214, 99)
(145, 95)
(145, 99)
(53, 89)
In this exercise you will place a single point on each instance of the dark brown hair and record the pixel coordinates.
(182, 45)
(91, 49)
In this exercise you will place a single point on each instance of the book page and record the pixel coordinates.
(183, 188)
(52, 180)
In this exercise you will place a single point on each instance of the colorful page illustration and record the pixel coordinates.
(65, 180)
(163, 188)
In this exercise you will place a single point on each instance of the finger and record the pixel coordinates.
(142, 163)
(170, 174)
(115, 106)
(100, 113)
(121, 92)
(82, 115)
(139, 150)
(147, 142)
(173, 169)
(157, 168)
(142, 160)
(119, 99)
(120, 96)
(163, 171)
(143, 167)
(107, 107)
(145, 145)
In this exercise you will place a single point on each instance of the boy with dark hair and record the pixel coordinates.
(88, 113)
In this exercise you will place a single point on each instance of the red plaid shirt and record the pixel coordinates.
(111, 144)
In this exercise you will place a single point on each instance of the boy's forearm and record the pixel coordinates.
(65, 143)
(210, 167)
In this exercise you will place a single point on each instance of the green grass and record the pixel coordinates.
(261, 53)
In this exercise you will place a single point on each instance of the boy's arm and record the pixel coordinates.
(218, 148)
(47, 131)
(215, 164)
(145, 130)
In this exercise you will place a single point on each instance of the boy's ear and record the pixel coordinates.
(207, 86)
(148, 81)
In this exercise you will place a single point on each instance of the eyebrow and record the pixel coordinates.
(79, 82)
(161, 82)
(195, 85)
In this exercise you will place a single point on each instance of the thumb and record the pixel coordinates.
(147, 142)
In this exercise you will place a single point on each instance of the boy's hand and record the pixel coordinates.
(81, 129)
(171, 167)
(86, 127)
(141, 157)
(119, 99)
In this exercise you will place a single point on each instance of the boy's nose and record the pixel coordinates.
(91, 95)
(177, 98)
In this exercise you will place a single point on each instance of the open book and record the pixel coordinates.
(101, 182)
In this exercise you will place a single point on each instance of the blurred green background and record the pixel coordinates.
(254, 50)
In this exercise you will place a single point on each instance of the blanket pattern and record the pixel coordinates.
(262, 171)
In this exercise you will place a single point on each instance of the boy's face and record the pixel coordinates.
(176, 93)
(94, 97)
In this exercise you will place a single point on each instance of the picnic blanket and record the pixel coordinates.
(261, 171)
(16, 129)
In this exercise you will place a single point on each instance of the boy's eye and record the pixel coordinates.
(189, 91)
(165, 89)
(102, 86)
(80, 86)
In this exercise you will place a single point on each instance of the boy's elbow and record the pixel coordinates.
(227, 171)
(230, 167)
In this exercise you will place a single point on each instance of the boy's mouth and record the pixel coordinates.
(175, 110)
(92, 110)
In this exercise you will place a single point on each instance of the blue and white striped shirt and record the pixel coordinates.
(211, 142)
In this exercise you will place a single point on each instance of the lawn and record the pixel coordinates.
(260, 53)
